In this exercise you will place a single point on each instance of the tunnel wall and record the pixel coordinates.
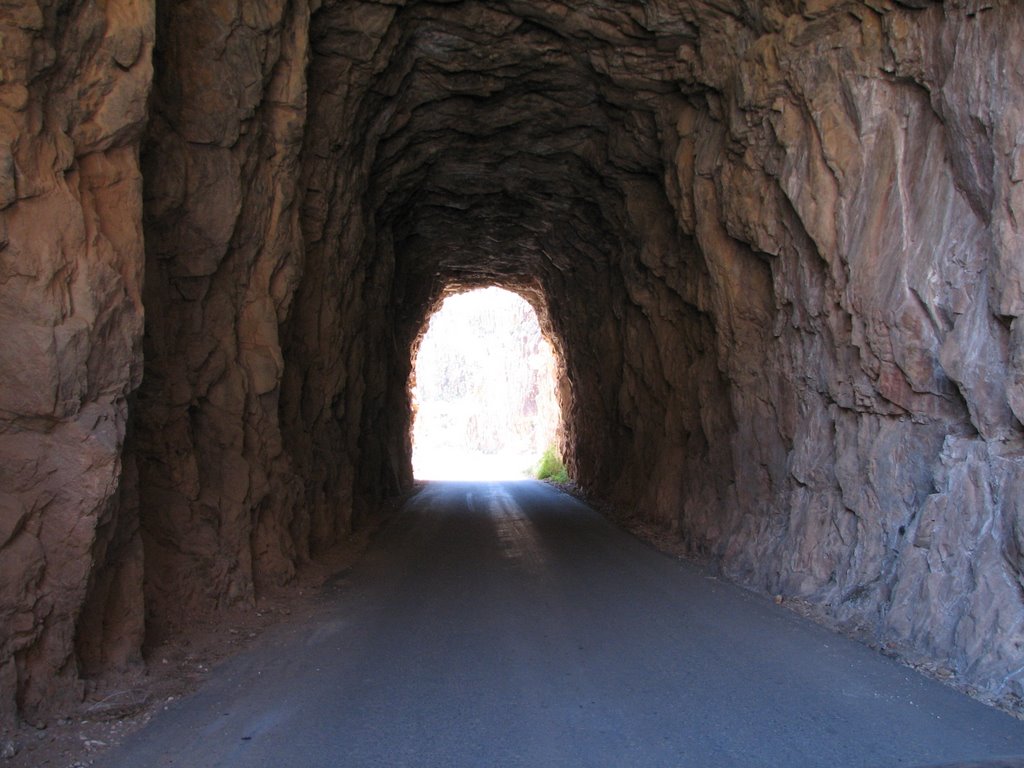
(223, 507)
(777, 246)
(864, 165)
(849, 185)
(73, 90)
(786, 308)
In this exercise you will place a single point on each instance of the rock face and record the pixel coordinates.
(73, 89)
(221, 505)
(777, 245)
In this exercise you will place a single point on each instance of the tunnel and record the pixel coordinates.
(777, 247)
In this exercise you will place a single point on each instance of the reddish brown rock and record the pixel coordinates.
(777, 246)
(221, 507)
(72, 109)
(773, 250)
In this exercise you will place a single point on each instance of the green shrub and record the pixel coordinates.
(550, 467)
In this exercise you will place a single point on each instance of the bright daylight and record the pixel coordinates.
(484, 390)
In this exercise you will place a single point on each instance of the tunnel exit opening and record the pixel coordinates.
(483, 389)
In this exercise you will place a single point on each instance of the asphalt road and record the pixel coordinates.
(505, 624)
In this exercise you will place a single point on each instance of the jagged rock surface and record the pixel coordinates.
(222, 506)
(72, 109)
(777, 246)
(779, 252)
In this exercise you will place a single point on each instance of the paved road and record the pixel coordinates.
(505, 624)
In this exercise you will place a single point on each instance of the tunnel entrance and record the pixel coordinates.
(483, 389)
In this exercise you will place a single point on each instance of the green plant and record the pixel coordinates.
(550, 467)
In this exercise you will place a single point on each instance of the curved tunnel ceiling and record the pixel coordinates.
(778, 244)
(506, 136)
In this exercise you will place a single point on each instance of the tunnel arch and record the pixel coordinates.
(779, 243)
(658, 206)
(538, 170)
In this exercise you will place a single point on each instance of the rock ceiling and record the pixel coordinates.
(777, 246)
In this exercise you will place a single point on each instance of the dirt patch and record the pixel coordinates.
(114, 708)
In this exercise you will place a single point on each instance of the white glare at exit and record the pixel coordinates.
(484, 394)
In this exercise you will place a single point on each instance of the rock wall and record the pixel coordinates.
(777, 246)
(868, 160)
(73, 88)
(222, 506)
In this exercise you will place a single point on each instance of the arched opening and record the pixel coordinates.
(483, 389)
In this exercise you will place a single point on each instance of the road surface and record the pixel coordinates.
(505, 624)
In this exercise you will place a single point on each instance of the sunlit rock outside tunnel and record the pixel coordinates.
(483, 391)
(777, 247)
